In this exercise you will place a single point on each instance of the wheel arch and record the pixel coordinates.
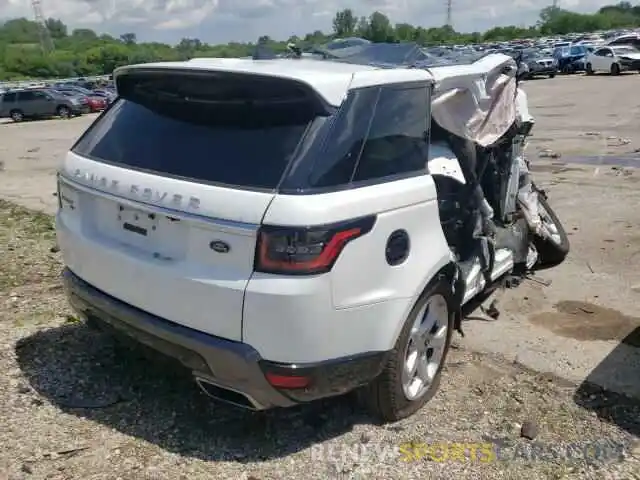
(446, 270)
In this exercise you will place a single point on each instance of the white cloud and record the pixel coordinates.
(184, 16)
(238, 20)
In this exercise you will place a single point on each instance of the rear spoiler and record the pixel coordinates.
(125, 78)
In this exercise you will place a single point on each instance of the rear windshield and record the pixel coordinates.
(235, 130)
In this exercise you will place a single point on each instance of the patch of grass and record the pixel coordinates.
(27, 256)
(30, 222)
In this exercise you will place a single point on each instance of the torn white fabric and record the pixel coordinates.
(477, 101)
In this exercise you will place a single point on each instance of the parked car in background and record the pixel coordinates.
(571, 59)
(96, 103)
(40, 102)
(108, 95)
(61, 87)
(539, 64)
(631, 40)
(613, 59)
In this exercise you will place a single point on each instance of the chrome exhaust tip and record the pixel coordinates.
(227, 395)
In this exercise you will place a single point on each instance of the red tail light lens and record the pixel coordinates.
(306, 251)
(287, 381)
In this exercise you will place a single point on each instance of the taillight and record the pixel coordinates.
(306, 251)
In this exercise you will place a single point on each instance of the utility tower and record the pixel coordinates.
(45, 36)
(449, 13)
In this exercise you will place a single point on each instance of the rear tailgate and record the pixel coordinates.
(164, 261)
(161, 199)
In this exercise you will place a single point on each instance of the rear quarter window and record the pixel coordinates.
(240, 131)
(379, 134)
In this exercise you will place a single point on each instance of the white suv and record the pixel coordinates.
(269, 223)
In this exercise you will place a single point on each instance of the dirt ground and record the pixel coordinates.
(77, 405)
(584, 325)
(595, 116)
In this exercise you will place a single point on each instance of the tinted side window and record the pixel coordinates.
(9, 97)
(376, 133)
(397, 142)
(27, 96)
(336, 160)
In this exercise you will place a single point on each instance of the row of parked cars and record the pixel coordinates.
(63, 100)
(616, 56)
(613, 53)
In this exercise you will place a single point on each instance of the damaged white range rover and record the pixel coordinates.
(275, 225)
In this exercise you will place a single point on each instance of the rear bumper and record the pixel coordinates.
(227, 364)
(543, 71)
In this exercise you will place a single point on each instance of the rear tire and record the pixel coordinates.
(386, 396)
(589, 69)
(63, 112)
(16, 115)
(552, 75)
(615, 69)
(551, 252)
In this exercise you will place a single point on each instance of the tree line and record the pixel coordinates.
(83, 52)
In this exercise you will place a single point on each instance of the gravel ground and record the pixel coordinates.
(76, 404)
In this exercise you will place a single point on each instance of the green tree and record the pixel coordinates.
(344, 23)
(405, 32)
(380, 29)
(106, 59)
(363, 28)
(84, 52)
(56, 28)
(128, 38)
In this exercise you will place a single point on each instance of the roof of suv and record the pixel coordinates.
(332, 80)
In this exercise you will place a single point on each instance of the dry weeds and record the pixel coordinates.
(78, 405)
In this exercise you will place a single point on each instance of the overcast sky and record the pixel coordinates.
(221, 21)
